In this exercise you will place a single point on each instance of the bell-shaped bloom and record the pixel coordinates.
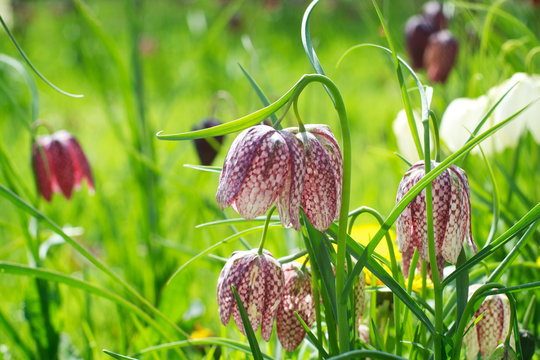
(359, 297)
(290, 167)
(463, 115)
(254, 171)
(297, 297)
(451, 216)
(207, 149)
(491, 329)
(417, 32)
(440, 55)
(59, 164)
(258, 279)
(433, 12)
(321, 194)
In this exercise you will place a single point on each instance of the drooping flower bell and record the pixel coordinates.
(297, 297)
(295, 168)
(491, 329)
(451, 216)
(440, 55)
(59, 164)
(258, 279)
(207, 149)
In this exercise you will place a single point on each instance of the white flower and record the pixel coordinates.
(404, 138)
(462, 115)
(6, 11)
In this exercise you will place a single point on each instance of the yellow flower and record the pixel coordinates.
(200, 332)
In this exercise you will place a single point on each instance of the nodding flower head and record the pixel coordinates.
(297, 297)
(440, 55)
(491, 329)
(207, 149)
(451, 216)
(289, 167)
(258, 279)
(59, 164)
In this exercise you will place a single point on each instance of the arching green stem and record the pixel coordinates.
(265, 229)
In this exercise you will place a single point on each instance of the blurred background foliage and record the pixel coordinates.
(147, 66)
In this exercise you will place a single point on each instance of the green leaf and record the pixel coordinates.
(214, 169)
(25, 57)
(118, 356)
(260, 94)
(306, 40)
(232, 344)
(362, 354)
(254, 345)
(312, 337)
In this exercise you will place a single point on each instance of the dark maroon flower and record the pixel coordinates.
(451, 216)
(440, 55)
(417, 32)
(59, 164)
(207, 149)
(433, 13)
(297, 297)
(258, 279)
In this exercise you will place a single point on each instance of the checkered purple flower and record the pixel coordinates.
(59, 165)
(258, 279)
(451, 216)
(297, 297)
(291, 168)
(491, 329)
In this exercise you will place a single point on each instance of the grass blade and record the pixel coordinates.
(253, 344)
(260, 93)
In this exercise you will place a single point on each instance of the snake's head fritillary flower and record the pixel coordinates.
(440, 55)
(207, 149)
(321, 194)
(359, 297)
(417, 32)
(297, 297)
(491, 329)
(527, 342)
(432, 11)
(451, 216)
(258, 279)
(59, 164)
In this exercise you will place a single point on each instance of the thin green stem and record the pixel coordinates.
(437, 289)
(265, 229)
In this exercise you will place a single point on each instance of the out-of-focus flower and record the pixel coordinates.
(417, 32)
(295, 167)
(440, 55)
(6, 10)
(462, 115)
(491, 329)
(527, 342)
(258, 279)
(207, 149)
(433, 12)
(297, 297)
(200, 332)
(451, 216)
(59, 164)
(404, 138)
(363, 333)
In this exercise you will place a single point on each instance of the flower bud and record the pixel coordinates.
(258, 279)
(297, 297)
(59, 164)
(527, 342)
(440, 55)
(451, 216)
(207, 149)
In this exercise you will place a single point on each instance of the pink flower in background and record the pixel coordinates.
(297, 297)
(59, 165)
(258, 279)
(451, 216)
(288, 167)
